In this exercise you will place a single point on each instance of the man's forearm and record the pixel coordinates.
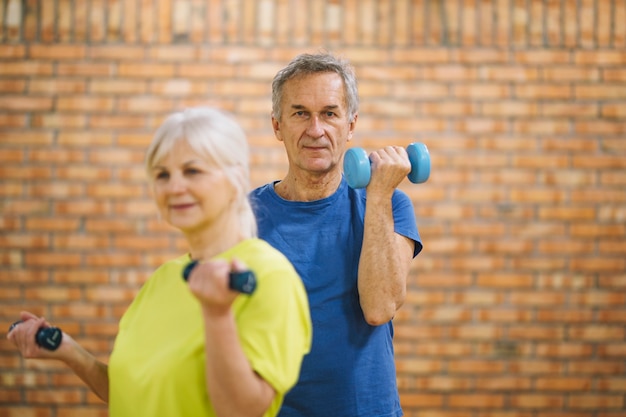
(384, 264)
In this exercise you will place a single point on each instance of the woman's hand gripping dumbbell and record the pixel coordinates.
(240, 281)
(357, 169)
(46, 337)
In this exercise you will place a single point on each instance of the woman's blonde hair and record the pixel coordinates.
(217, 137)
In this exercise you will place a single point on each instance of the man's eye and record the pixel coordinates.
(300, 113)
(330, 114)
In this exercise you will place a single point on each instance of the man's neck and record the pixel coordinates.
(308, 187)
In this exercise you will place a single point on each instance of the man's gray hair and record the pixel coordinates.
(306, 64)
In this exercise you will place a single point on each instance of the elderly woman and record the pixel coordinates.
(196, 346)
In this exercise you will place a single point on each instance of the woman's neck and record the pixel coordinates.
(210, 241)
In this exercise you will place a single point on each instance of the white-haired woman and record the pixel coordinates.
(197, 347)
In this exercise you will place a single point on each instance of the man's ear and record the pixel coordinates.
(276, 127)
(352, 125)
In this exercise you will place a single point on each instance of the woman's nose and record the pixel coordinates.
(176, 184)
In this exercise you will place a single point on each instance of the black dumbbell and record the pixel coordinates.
(46, 337)
(243, 282)
(357, 169)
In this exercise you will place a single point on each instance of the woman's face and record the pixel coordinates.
(190, 193)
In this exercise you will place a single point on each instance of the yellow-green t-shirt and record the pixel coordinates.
(157, 367)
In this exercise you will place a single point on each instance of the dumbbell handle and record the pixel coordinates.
(243, 282)
(357, 169)
(46, 337)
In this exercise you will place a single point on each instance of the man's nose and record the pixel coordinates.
(315, 128)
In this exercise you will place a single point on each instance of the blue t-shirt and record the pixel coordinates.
(350, 371)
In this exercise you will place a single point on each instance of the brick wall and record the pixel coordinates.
(516, 307)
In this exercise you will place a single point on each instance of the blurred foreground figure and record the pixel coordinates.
(196, 347)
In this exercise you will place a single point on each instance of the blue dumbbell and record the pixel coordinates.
(357, 169)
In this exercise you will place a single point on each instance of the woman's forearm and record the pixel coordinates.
(90, 370)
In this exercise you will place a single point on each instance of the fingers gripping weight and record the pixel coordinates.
(46, 337)
(243, 282)
(357, 169)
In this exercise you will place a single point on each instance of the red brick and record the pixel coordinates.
(142, 70)
(612, 384)
(566, 213)
(597, 401)
(614, 74)
(12, 121)
(145, 105)
(496, 315)
(80, 276)
(117, 122)
(107, 294)
(542, 127)
(78, 241)
(600, 58)
(84, 172)
(12, 51)
(600, 92)
(111, 225)
(422, 400)
(25, 103)
(87, 69)
(59, 121)
(597, 333)
(29, 411)
(116, 52)
(604, 264)
(476, 401)
(51, 224)
(564, 350)
(612, 316)
(57, 189)
(25, 172)
(25, 68)
(597, 367)
(56, 86)
(25, 241)
(84, 138)
(12, 86)
(117, 86)
(21, 206)
(599, 298)
(594, 230)
(59, 51)
(600, 127)
(537, 401)
(505, 281)
(526, 332)
(55, 156)
(505, 383)
(537, 298)
(46, 259)
(85, 104)
(96, 410)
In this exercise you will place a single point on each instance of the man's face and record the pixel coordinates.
(314, 125)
